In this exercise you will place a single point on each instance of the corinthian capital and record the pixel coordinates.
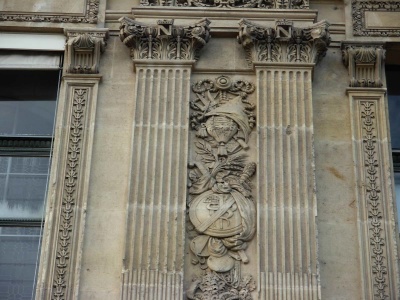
(164, 41)
(284, 43)
(83, 50)
(364, 62)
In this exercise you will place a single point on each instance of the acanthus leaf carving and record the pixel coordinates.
(284, 43)
(164, 41)
(222, 212)
(364, 62)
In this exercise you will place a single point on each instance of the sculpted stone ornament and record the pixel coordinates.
(83, 50)
(221, 209)
(365, 63)
(164, 41)
(284, 43)
(271, 4)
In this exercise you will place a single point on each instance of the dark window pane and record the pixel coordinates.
(27, 102)
(397, 192)
(393, 85)
(23, 187)
(19, 248)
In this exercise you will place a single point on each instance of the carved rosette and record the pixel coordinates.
(83, 50)
(221, 209)
(365, 64)
(164, 41)
(271, 4)
(90, 16)
(284, 43)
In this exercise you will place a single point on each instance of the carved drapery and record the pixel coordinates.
(270, 4)
(65, 217)
(365, 64)
(83, 50)
(222, 214)
(284, 43)
(284, 58)
(163, 56)
(164, 41)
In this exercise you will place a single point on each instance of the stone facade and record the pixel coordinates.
(214, 149)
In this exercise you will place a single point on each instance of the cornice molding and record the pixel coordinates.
(90, 15)
(83, 50)
(284, 43)
(365, 63)
(164, 41)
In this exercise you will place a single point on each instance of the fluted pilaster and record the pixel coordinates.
(163, 57)
(284, 58)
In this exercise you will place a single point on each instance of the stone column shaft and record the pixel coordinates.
(286, 200)
(156, 226)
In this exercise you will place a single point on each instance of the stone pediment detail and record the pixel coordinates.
(365, 63)
(284, 43)
(270, 4)
(83, 50)
(164, 41)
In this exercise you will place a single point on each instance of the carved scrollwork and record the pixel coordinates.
(221, 208)
(364, 63)
(272, 4)
(164, 41)
(284, 43)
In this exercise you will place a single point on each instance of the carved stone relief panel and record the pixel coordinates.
(375, 18)
(221, 209)
(271, 4)
(164, 41)
(55, 11)
(365, 63)
(284, 43)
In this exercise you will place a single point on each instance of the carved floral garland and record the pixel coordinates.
(70, 194)
(377, 240)
(221, 210)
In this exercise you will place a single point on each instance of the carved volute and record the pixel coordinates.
(164, 41)
(284, 43)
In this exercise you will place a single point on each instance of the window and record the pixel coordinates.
(27, 111)
(393, 86)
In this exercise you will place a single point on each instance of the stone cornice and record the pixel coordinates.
(284, 43)
(83, 50)
(365, 63)
(164, 41)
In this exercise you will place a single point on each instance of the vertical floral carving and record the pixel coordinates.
(69, 193)
(222, 213)
(374, 201)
